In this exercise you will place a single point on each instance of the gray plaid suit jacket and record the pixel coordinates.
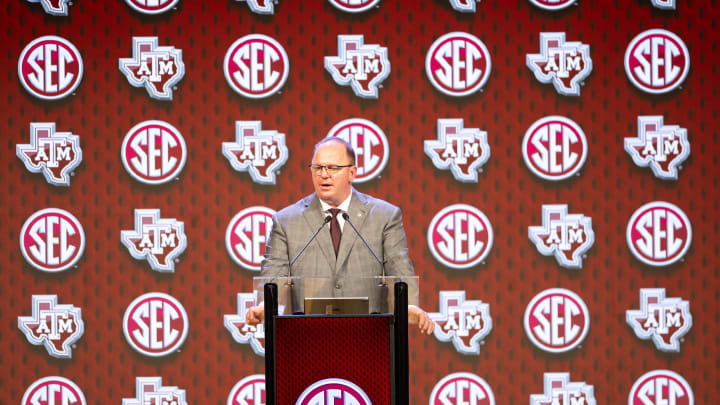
(379, 222)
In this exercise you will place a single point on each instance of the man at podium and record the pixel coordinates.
(301, 245)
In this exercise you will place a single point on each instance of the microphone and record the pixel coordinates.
(346, 217)
(325, 221)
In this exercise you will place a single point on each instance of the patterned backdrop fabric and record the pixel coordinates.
(208, 192)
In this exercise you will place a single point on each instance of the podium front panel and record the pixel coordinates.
(354, 348)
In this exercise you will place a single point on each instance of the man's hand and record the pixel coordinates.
(255, 315)
(421, 318)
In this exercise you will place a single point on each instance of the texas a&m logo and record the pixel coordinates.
(662, 147)
(152, 6)
(460, 236)
(261, 6)
(256, 66)
(464, 322)
(241, 331)
(566, 236)
(153, 152)
(462, 150)
(332, 391)
(664, 4)
(458, 64)
(462, 389)
(259, 152)
(150, 391)
(554, 148)
(664, 320)
(354, 6)
(53, 7)
(553, 4)
(564, 64)
(155, 324)
(52, 240)
(362, 67)
(55, 326)
(246, 236)
(659, 233)
(657, 61)
(50, 67)
(248, 391)
(560, 390)
(556, 320)
(53, 390)
(157, 68)
(157, 240)
(464, 6)
(659, 387)
(54, 154)
(370, 144)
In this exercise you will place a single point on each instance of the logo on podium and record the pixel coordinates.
(333, 391)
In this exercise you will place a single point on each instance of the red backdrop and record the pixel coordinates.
(102, 195)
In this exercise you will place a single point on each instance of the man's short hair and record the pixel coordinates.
(348, 148)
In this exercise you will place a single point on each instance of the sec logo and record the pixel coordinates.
(354, 6)
(153, 152)
(461, 389)
(661, 387)
(248, 391)
(553, 4)
(151, 6)
(50, 67)
(247, 234)
(554, 148)
(256, 66)
(460, 236)
(331, 391)
(458, 64)
(556, 320)
(370, 144)
(53, 390)
(155, 324)
(52, 240)
(659, 233)
(657, 61)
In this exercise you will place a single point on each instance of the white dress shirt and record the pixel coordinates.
(343, 207)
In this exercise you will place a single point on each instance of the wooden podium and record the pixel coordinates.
(369, 350)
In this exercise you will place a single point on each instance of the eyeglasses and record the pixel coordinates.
(330, 169)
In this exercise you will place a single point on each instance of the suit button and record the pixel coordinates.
(338, 286)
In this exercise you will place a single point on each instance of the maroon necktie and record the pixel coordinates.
(335, 232)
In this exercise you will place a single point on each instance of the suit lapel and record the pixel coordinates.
(314, 216)
(357, 213)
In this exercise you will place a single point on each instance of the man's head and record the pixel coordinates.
(333, 170)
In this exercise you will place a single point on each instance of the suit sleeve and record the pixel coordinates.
(276, 260)
(395, 251)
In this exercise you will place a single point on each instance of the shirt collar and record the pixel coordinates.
(344, 206)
